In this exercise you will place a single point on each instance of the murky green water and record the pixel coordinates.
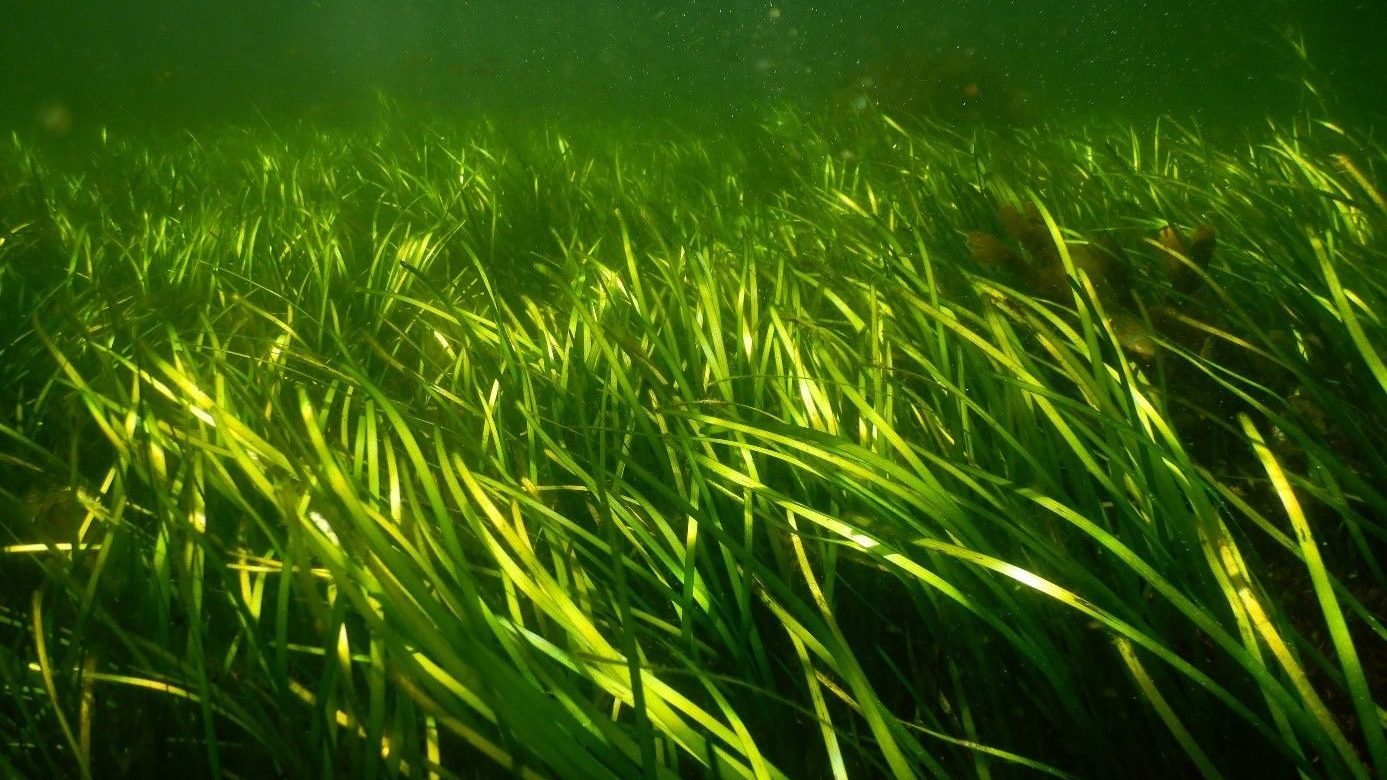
(71, 64)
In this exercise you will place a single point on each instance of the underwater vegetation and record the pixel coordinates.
(441, 450)
(1044, 266)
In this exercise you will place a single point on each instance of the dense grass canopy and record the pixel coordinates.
(808, 451)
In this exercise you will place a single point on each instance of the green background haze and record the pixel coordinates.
(161, 60)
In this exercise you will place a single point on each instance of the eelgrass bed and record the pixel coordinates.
(863, 452)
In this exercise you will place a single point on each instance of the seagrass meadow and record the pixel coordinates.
(852, 448)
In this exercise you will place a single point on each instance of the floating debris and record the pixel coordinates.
(950, 85)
